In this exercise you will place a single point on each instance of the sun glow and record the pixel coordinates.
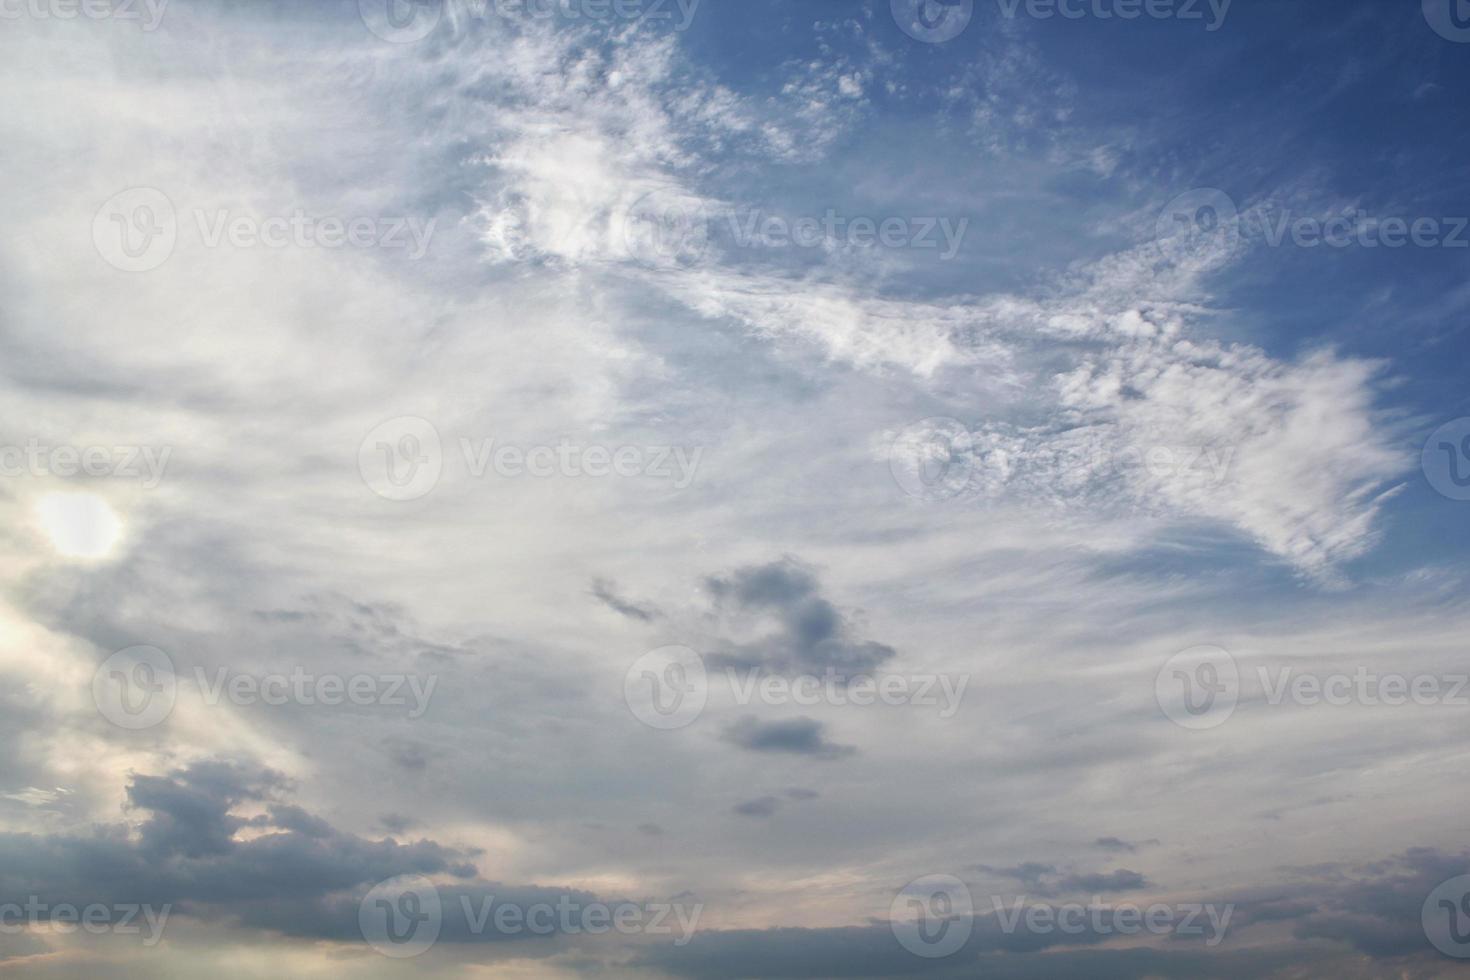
(79, 525)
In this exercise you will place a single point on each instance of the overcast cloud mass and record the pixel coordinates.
(734, 489)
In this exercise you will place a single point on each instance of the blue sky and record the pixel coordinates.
(453, 458)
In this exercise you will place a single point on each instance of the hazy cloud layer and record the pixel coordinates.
(389, 529)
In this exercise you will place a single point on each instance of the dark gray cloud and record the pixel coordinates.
(788, 954)
(396, 823)
(1121, 880)
(1028, 873)
(407, 753)
(1375, 908)
(811, 635)
(607, 593)
(764, 806)
(799, 736)
(1351, 921)
(768, 805)
(186, 853)
(295, 874)
(1047, 879)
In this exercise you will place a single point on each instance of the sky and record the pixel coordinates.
(672, 489)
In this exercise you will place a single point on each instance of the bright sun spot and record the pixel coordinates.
(80, 525)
